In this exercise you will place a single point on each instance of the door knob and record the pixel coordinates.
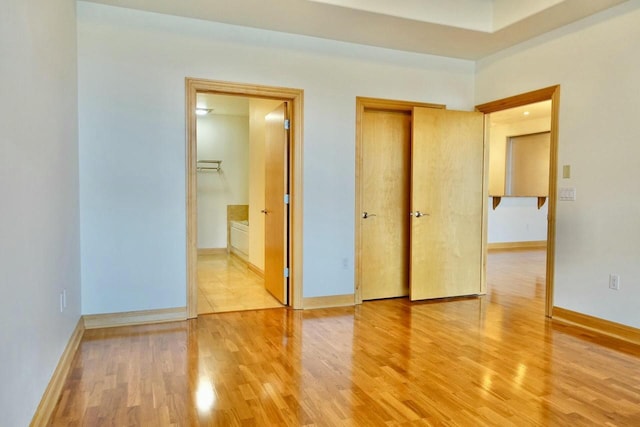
(418, 214)
(366, 215)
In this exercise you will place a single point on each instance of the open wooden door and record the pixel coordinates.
(276, 208)
(446, 203)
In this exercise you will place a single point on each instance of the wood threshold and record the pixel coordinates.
(329, 301)
(598, 325)
(130, 318)
(517, 245)
(54, 389)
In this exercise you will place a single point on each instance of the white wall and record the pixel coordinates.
(226, 138)
(39, 215)
(132, 67)
(596, 62)
(258, 109)
(516, 219)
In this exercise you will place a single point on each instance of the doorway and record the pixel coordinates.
(551, 94)
(234, 153)
(290, 272)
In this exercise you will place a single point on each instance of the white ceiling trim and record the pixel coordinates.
(477, 16)
(375, 29)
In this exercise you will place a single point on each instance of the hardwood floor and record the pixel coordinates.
(225, 283)
(493, 360)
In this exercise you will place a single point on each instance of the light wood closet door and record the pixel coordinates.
(276, 211)
(384, 245)
(446, 234)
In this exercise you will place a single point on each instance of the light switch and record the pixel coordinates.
(567, 194)
(566, 171)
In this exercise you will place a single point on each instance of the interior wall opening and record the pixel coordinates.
(231, 202)
(518, 169)
(282, 180)
(546, 99)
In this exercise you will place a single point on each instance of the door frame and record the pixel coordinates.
(551, 93)
(294, 98)
(363, 103)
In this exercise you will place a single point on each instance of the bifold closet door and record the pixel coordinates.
(384, 220)
(446, 203)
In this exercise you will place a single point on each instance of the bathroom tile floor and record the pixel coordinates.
(225, 283)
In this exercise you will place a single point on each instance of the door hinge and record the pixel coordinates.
(286, 272)
(286, 199)
(287, 124)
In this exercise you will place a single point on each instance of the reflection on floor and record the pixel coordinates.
(226, 284)
(517, 276)
(488, 361)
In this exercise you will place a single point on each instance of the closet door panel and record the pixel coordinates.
(446, 203)
(385, 199)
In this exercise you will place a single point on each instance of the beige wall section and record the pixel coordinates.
(258, 109)
(498, 135)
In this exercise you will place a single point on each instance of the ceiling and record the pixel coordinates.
(223, 104)
(468, 29)
(538, 110)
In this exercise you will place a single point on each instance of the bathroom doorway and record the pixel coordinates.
(231, 170)
(241, 206)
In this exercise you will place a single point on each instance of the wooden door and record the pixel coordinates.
(276, 211)
(446, 202)
(384, 188)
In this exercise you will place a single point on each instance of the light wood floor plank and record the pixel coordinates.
(494, 360)
(226, 283)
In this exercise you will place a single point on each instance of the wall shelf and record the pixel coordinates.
(497, 199)
(209, 165)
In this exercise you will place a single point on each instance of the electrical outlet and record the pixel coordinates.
(345, 263)
(61, 302)
(614, 282)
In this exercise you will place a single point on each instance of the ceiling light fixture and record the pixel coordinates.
(526, 113)
(203, 111)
